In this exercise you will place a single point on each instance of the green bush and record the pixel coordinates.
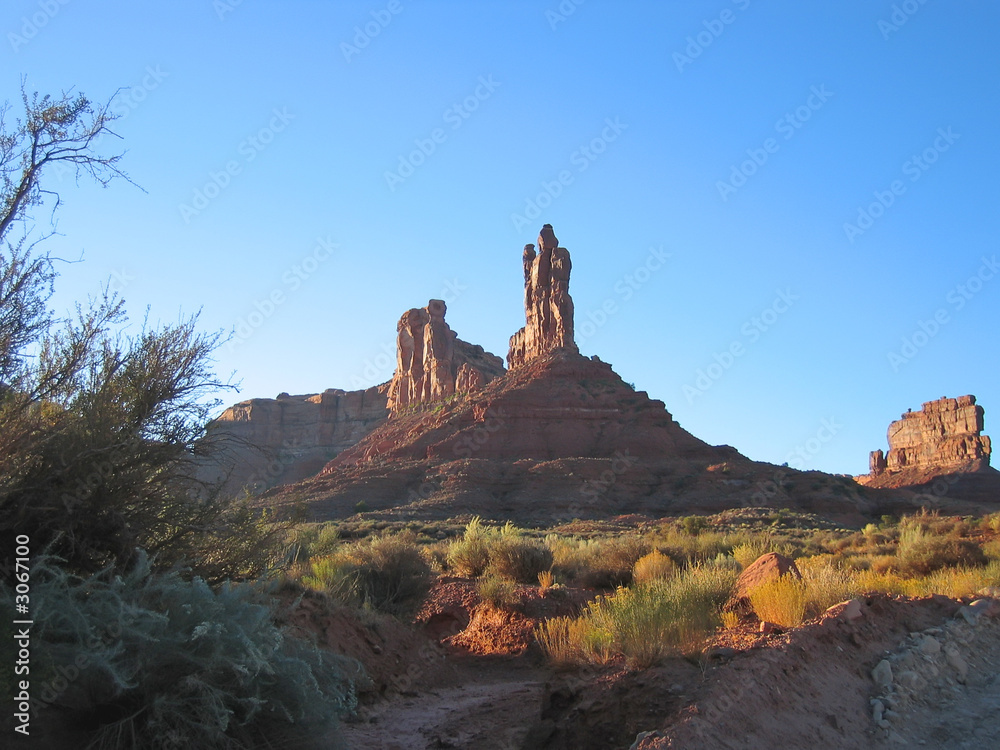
(470, 555)
(498, 590)
(168, 663)
(518, 558)
(384, 572)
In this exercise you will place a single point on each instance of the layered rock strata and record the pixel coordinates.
(944, 435)
(263, 442)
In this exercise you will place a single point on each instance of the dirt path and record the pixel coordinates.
(486, 708)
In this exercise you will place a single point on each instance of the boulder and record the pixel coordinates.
(764, 569)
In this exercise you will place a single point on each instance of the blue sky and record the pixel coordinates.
(782, 216)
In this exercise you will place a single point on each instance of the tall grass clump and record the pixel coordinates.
(470, 555)
(642, 623)
(781, 601)
(159, 661)
(384, 572)
(517, 557)
(596, 563)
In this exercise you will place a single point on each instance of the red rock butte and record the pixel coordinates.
(944, 437)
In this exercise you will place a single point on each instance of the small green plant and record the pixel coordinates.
(497, 590)
(470, 555)
(361, 507)
(693, 525)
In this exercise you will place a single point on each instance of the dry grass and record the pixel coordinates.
(643, 623)
(781, 601)
(653, 567)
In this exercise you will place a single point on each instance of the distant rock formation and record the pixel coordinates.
(432, 363)
(548, 308)
(262, 442)
(944, 437)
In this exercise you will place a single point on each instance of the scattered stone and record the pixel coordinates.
(882, 675)
(930, 645)
(849, 610)
(767, 628)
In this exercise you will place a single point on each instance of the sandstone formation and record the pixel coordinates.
(263, 442)
(432, 363)
(944, 437)
(548, 308)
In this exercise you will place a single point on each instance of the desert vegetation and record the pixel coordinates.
(155, 623)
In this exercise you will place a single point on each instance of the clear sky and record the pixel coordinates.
(782, 216)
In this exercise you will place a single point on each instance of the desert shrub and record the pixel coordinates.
(546, 580)
(781, 601)
(991, 522)
(992, 549)
(611, 562)
(164, 662)
(924, 555)
(568, 641)
(436, 555)
(518, 558)
(497, 590)
(327, 540)
(825, 584)
(653, 566)
(750, 551)
(645, 622)
(385, 572)
(694, 524)
(470, 555)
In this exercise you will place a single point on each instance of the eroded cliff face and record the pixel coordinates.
(432, 363)
(263, 442)
(944, 437)
(548, 307)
